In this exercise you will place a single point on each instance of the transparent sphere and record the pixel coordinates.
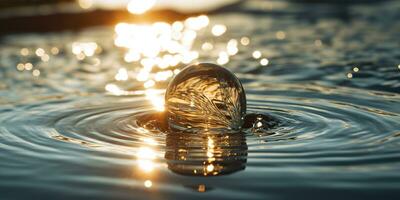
(205, 98)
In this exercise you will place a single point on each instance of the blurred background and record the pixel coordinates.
(148, 41)
(79, 78)
(61, 15)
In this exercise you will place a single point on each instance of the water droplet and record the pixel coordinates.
(205, 97)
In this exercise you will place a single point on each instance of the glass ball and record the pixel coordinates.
(205, 97)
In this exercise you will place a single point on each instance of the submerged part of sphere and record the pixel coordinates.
(206, 155)
(205, 98)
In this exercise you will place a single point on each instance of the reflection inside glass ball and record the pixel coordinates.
(205, 97)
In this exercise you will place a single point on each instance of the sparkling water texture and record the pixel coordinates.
(75, 125)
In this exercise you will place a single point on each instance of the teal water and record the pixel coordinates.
(330, 85)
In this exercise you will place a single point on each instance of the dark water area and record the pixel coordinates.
(79, 118)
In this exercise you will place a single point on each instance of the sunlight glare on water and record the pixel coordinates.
(160, 48)
(140, 6)
(146, 156)
(159, 45)
(82, 113)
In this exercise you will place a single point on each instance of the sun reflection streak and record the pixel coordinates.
(114, 89)
(28, 66)
(245, 41)
(145, 156)
(24, 51)
(85, 4)
(83, 49)
(223, 58)
(209, 167)
(145, 159)
(140, 6)
(218, 29)
(122, 75)
(231, 47)
(20, 66)
(256, 54)
(146, 153)
(155, 98)
(148, 183)
(160, 39)
(264, 62)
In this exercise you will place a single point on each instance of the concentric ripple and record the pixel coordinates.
(334, 137)
(323, 108)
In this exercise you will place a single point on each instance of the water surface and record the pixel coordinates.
(330, 81)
